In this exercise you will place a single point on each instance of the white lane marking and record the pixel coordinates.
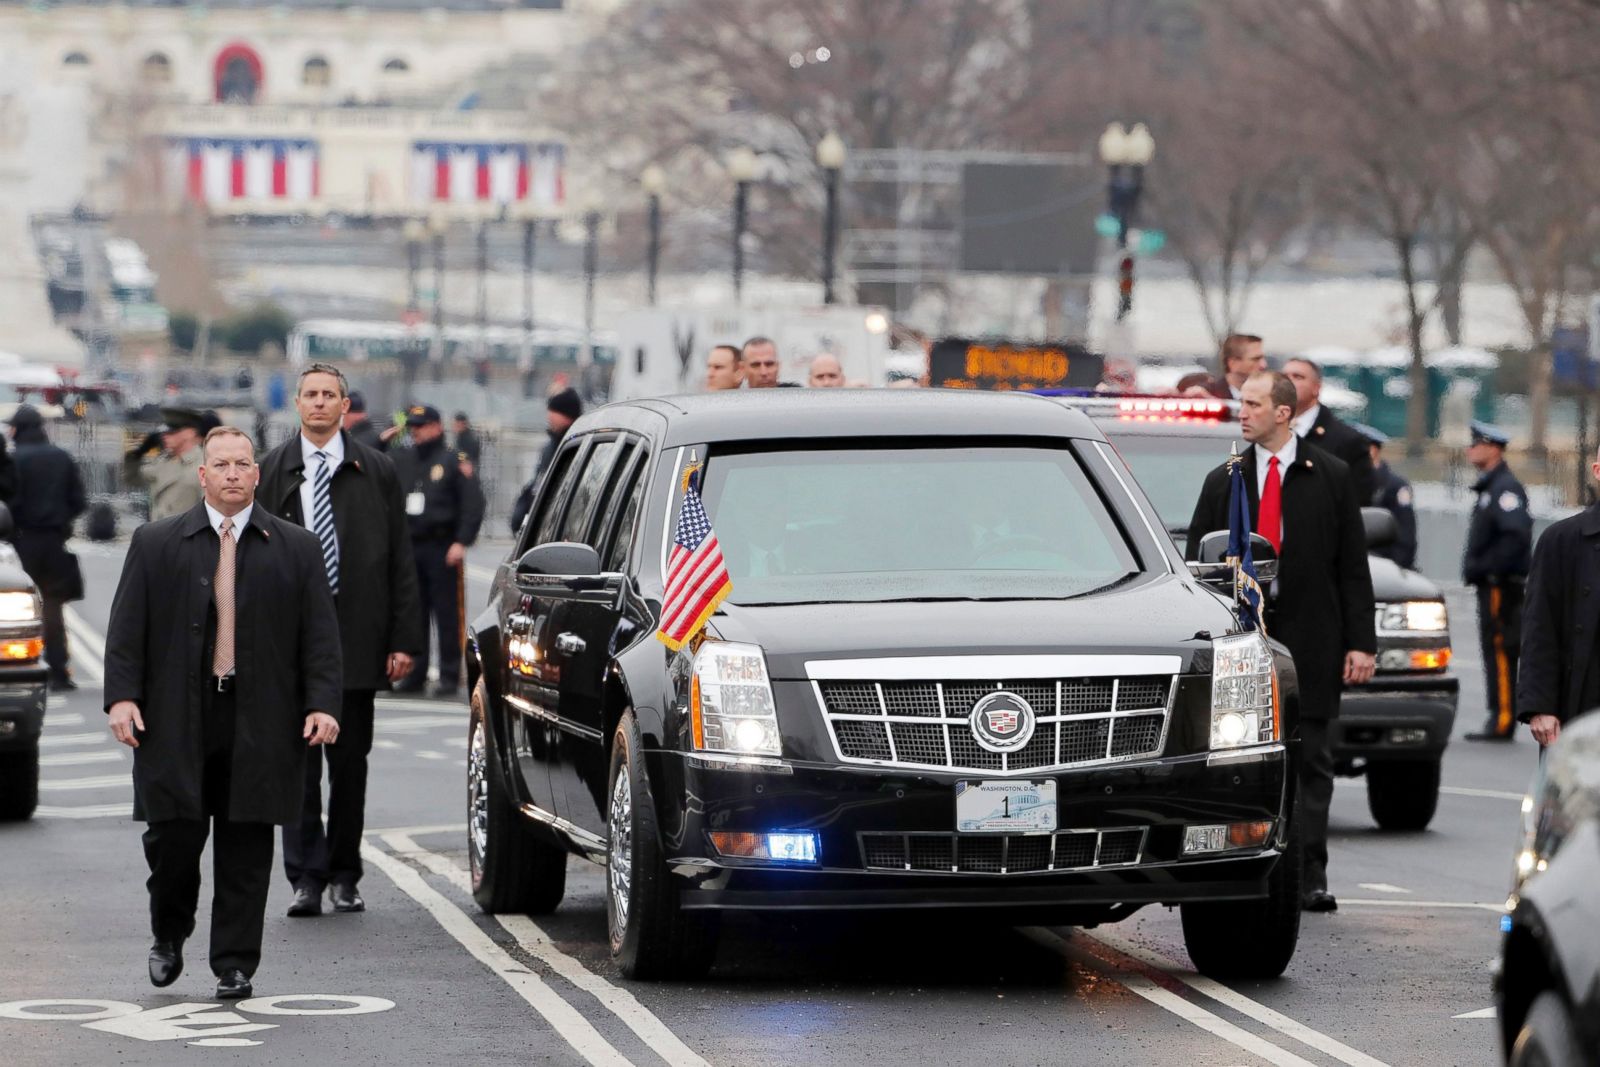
(1163, 998)
(425, 754)
(482, 574)
(55, 700)
(384, 742)
(390, 705)
(65, 718)
(1426, 905)
(423, 831)
(90, 655)
(100, 782)
(456, 742)
(1492, 794)
(1240, 1003)
(563, 1017)
(421, 722)
(1481, 1013)
(1382, 887)
(67, 759)
(72, 740)
(621, 1003)
(123, 810)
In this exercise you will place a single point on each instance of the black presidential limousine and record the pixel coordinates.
(962, 667)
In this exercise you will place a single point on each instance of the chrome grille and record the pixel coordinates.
(1065, 850)
(1081, 721)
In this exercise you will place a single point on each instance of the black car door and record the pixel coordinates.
(599, 628)
(532, 684)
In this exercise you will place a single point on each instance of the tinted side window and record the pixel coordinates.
(586, 492)
(557, 484)
(616, 557)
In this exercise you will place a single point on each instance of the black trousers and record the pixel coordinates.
(313, 856)
(241, 855)
(1315, 772)
(1500, 637)
(437, 584)
(55, 637)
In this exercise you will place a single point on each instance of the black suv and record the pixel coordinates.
(1393, 729)
(22, 681)
(961, 667)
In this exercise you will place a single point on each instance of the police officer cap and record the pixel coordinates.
(421, 414)
(173, 419)
(25, 416)
(357, 401)
(1371, 433)
(1485, 434)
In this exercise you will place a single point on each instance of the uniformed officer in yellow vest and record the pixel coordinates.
(1499, 551)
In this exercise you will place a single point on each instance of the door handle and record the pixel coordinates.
(570, 643)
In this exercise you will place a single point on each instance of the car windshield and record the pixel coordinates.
(1170, 468)
(912, 523)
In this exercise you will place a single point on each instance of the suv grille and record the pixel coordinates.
(926, 723)
(1066, 850)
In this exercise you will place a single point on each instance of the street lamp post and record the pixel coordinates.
(480, 348)
(654, 182)
(742, 169)
(1125, 153)
(438, 225)
(415, 232)
(525, 358)
(830, 157)
(591, 266)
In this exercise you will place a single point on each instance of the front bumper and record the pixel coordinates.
(22, 697)
(848, 805)
(1395, 717)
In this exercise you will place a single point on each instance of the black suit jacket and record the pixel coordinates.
(1324, 606)
(378, 603)
(1560, 615)
(1335, 437)
(286, 647)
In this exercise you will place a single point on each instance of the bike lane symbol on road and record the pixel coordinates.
(204, 1024)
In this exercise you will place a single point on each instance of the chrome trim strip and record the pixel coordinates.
(1248, 754)
(987, 668)
(588, 842)
(1114, 461)
(533, 711)
(666, 520)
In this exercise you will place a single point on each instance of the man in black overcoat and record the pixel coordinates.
(49, 496)
(1322, 605)
(366, 548)
(219, 678)
(1559, 675)
(1316, 425)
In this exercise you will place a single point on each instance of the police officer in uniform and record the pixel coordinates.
(444, 505)
(167, 463)
(1392, 493)
(1499, 551)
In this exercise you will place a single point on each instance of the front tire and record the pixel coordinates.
(1249, 938)
(1403, 795)
(652, 936)
(19, 784)
(513, 871)
(1548, 1037)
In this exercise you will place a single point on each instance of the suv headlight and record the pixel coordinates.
(19, 607)
(1412, 616)
(731, 706)
(1244, 692)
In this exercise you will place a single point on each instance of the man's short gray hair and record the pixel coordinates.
(323, 368)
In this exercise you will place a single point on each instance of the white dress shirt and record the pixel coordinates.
(1285, 456)
(240, 521)
(1302, 422)
(308, 488)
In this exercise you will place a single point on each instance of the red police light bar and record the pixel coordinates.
(1172, 409)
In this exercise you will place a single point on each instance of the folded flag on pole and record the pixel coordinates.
(1247, 598)
(697, 575)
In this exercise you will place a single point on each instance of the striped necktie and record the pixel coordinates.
(223, 591)
(322, 518)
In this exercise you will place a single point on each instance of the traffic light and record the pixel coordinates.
(1124, 287)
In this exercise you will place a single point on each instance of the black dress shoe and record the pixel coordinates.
(233, 985)
(345, 898)
(1487, 735)
(1320, 900)
(307, 902)
(166, 963)
(62, 684)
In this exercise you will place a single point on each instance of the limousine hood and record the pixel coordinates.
(1164, 615)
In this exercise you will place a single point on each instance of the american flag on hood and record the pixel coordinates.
(697, 575)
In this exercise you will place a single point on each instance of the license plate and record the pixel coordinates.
(1005, 806)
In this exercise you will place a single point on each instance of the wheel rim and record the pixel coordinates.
(477, 800)
(619, 850)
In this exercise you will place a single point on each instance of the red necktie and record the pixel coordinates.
(1269, 523)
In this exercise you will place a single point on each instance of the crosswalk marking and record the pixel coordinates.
(123, 810)
(71, 740)
(104, 781)
(68, 759)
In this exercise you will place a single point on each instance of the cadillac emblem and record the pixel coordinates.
(1002, 721)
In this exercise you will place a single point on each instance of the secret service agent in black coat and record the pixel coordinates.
(378, 606)
(49, 496)
(1339, 439)
(1324, 604)
(1560, 670)
(286, 651)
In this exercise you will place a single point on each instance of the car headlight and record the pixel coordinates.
(731, 706)
(19, 607)
(1412, 616)
(1244, 692)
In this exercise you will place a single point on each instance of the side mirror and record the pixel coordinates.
(1211, 566)
(559, 558)
(8, 524)
(1381, 528)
